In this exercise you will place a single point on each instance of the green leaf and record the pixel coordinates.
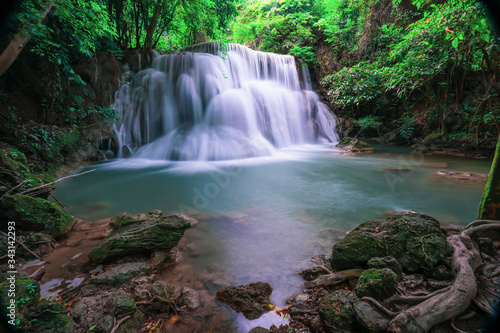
(454, 43)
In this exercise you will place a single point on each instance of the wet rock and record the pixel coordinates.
(120, 273)
(40, 243)
(120, 303)
(387, 262)
(414, 239)
(354, 145)
(440, 272)
(140, 235)
(371, 318)
(413, 281)
(160, 289)
(307, 313)
(190, 299)
(252, 299)
(157, 260)
(486, 245)
(35, 214)
(377, 283)
(335, 310)
(461, 176)
(312, 273)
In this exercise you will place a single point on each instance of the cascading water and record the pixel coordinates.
(201, 105)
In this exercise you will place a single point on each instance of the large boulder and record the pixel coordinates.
(141, 234)
(36, 214)
(252, 299)
(414, 239)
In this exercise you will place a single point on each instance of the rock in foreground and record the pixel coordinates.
(252, 299)
(414, 239)
(142, 234)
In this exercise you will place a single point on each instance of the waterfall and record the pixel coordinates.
(204, 104)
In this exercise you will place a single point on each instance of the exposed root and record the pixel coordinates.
(448, 304)
(334, 278)
(481, 302)
(380, 306)
(414, 298)
(170, 302)
(117, 325)
(24, 246)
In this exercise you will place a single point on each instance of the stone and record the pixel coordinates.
(387, 262)
(105, 324)
(53, 320)
(377, 283)
(79, 312)
(259, 329)
(36, 214)
(354, 145)
(371, 318)
(252, 299)
(190, 299)
(140, 235)
(335, 310)
(119, 274)
(414, 239)
(120, 303)
(312, 273)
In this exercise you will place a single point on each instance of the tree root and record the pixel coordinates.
(448, 304)
(117, 325)
(379, 306)
(334, 278)
(25, 247)
(171, 303)
(414, 298)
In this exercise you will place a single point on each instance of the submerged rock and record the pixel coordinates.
(120, 273)
(35, 214)
(377, 283)
(335, 310)
(141, 234)
(252, 299)
(414, 239)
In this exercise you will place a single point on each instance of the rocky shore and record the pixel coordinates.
(385, 275)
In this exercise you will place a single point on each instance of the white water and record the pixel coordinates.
(200, 105)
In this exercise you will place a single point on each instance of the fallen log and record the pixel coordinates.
(334, 278)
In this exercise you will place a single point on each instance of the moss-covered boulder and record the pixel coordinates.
(36, 214)
(354, 145)
(335, 310)
(142, 234)
(119, 274)
(14, 160)
(414, 239)
(377, 283)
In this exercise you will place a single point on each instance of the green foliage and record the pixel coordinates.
(370, 121)
(406, 127)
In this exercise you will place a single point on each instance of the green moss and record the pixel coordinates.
(377, 283)
(53, 319)
(13, 160)
(27, 296)
(335, 310)
(489, 208)
(36, 214)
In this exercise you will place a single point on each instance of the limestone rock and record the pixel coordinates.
(377, 283)
(252, 299)
(35, 214)
(120, 303)
(120, 273)
(371, 318)
(335, 310)
(142, 234)
(414, 239)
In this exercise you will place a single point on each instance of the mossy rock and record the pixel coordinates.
(61, 144)
(335, 310)
(354, 145)
(120, 303)
(120, 274)
(27, 296)
(387, 262)
(36, 214)
(140, 235)
(377, 283)
(13, 160)
(414, 239)
(50, 317)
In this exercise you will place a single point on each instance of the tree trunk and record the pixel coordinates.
(489, 208)
(18, 43)
(147, 50)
